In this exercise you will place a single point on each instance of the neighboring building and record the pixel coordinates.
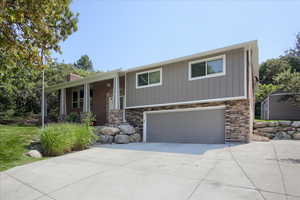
(276, 107)
(202, 98)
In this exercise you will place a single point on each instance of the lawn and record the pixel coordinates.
(13, 142)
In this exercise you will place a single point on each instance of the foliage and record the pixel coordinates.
(72, 117)
(84, 63)
(294, 62)
(296, 50)
(263, 90)
(290, 82)
(13, 142)
(30, 31)
(58, 139)
(20, 90)
(88, 118)
(270, 68)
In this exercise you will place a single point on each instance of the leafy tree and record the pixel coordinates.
(290, 82)
(263, 90)
(31, 30)
(21, 91)
(84, 63)
(293, 61)
(296, 50)
(270, 68)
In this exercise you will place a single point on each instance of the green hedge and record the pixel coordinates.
(61, 138)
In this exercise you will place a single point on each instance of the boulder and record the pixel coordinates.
(98, 129)
(296, 136)
(268, 129)
(135, 137)
(290, 132)
(296, 124)
(127, 129)
(107, 130)
(285, 123)
(34, 154)
(105, 139)
(282, 136)
(122, 139)
(260, 124)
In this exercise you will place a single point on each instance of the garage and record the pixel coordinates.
(193, 125)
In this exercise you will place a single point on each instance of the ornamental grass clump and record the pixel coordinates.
(61, 138)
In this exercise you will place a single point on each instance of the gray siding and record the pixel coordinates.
(177, 88)
(282, 110)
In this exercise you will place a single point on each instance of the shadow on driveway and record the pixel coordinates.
(195, 149)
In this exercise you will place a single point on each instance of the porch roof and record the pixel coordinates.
(99, 76)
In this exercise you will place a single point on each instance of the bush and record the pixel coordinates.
(58, 139)
(73, 117)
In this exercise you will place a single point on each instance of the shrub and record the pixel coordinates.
(58, 139)
(88, 118)
(73, 117)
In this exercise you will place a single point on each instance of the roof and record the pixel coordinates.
(252, 43)
(111, 74)
(99, 76)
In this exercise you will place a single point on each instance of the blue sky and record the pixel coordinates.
(123, 34)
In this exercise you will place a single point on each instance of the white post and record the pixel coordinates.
(43, 100)
(116, 93)
(86, 99)
(62, 101)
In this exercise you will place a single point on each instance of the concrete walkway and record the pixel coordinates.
(268, 170)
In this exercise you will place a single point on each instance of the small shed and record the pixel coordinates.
(275, 107)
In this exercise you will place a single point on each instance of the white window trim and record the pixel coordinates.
(149, 85)
(223, 57)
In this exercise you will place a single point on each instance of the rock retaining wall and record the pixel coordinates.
(121, 134)
(278, 129)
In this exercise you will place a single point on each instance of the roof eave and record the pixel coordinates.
(252, 43)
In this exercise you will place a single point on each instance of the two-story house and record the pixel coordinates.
(202, 98)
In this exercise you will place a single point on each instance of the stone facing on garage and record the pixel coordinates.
(237, 118)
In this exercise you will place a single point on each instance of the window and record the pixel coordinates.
(78, 96)
(149, 78)
(75, 99)
(210, 67)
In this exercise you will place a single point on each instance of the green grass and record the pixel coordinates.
(262, 120)
(13, 142)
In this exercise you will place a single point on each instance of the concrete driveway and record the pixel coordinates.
(162, 171)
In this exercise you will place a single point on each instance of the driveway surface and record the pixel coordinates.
(269, 170)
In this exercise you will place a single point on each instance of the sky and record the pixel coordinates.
(129, 33)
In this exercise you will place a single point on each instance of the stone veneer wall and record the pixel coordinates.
(237, 118)
(278, 129)
(115, 117)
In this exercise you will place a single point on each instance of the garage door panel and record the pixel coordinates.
(201, 126)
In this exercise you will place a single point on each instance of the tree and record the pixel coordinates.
(31, 30)
(264, 90)
(289, 82)
(270, 68)
(296, 50)
(84, 63)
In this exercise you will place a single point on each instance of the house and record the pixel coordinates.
(201, 98)
(277, 107)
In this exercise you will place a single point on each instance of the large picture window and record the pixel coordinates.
(149, 78)
(206, 68)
